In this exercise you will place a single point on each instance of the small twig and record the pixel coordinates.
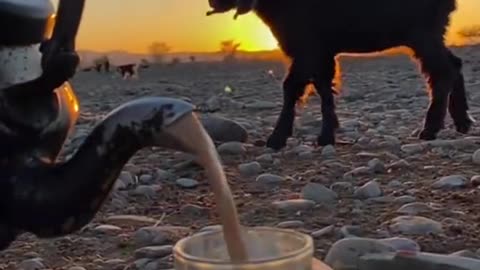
(160, 220)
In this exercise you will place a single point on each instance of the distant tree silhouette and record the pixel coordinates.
(229, 48)
(158, 50)
(470, 33)
(192, 58)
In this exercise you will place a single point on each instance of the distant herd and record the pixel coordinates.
(126, 71)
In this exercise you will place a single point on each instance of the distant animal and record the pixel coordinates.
(102, 62)
(128, 70)
(313, 32)
(144, 64)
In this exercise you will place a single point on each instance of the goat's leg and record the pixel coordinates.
(293, 88)
(323, 83)
(458, 105)
(440, 73)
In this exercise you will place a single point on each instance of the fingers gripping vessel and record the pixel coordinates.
(38, 110)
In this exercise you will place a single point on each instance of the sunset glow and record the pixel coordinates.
(133, 25)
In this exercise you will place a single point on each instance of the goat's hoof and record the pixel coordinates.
(427, 135)
(464, 125)
(276, 142)
(324, 140)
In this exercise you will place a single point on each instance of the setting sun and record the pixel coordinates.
(254, 35)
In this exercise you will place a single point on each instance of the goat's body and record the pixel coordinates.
(313, 32)
(352, 26)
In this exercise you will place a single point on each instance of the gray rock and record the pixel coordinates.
(413, 148)
(107, 229)
(351, 231)
(231, 148)
(277, 162)
(265, 158)
(356, 172)
(194, 210)
(405, 199)
(114, 264)
(76, 268)
(414, 208)
(302, 148)
(261, 105)
(395, 184)
(187, 183)
(415, 225)
(164, 176)
(399, 164)
(344, 254)
(217, 227)
(381, 199)
(475, 180)
(153, 265)
(126, 178)
(140, 263)
(223, 130)
(401, 243)
(158, 236)
(250, 169)
(125, 220)
(318, 193)
(270, 179)
(476, 157)
(294, 205)
(324, 231)
(462, 143)
(421, 260)
(31, 264)
(351, 124)
(119, 185)
(118, 202)
(145, 179)
(376, 166)
(153, 251)
(391, 140)
(450, 182)
(148, 191)
(305, 155)
(370, 189)
(342, 187)
(465, 253)
(328, 151)
(292, 224)
(31, 255)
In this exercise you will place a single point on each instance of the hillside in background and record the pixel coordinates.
(124, 57)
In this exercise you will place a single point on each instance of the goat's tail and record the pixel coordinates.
(311, 91)
(307, 93)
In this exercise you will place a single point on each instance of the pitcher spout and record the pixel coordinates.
(55, 199)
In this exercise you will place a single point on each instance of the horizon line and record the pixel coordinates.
(219, 51)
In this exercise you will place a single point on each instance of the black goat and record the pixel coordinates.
(313, 32)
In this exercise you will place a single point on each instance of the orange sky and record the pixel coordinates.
(133, 25)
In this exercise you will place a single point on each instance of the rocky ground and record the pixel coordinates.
(378, 182)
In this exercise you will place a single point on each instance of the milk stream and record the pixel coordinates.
(199, 143)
